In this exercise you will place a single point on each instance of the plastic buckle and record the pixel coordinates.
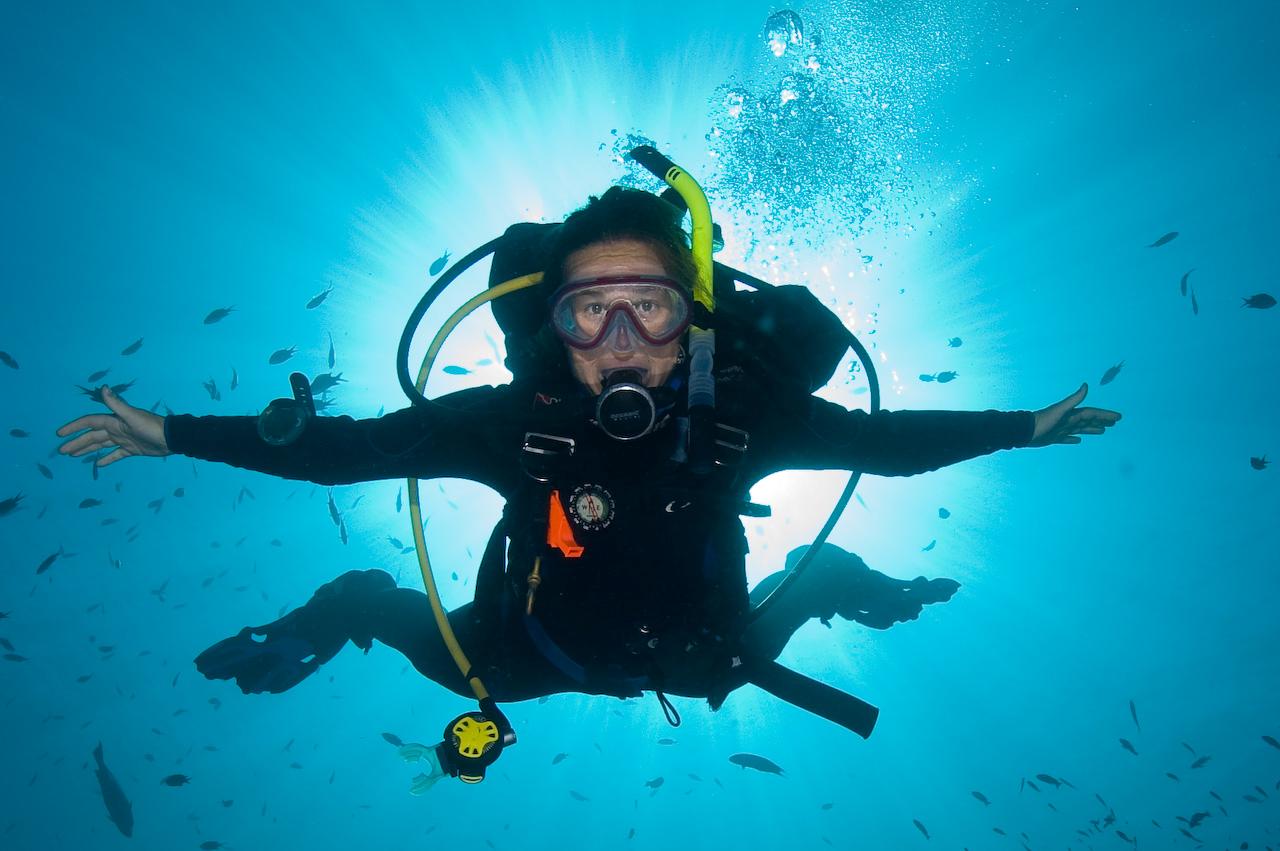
(731, 438)
(540, 453)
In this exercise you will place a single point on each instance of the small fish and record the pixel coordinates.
(1195, 306)
(1034, 787)
(578, 796)
(1198, 817)
(666, 741)
(14, 657)
(438, 265)
(1261, 791)
(929, 546)
(235, 379)
(943, 513)
(1164, 240)
(1201, 762)
(1122, 835)
(7, 360)
(8, 506)
(97, 376)
(1271, 741)
(1049, 779)
(331, 358)
(317, 300)
(279, 356)
(1261, 301)
(981, 798)
(1133, 711)
(90, 503)
(456, 370)
(393, 740)
(920, 828)
(96, 393)
(1172, 776)
(211, 387)
(1183, 285)
(17, 432)
(324, 382)
(1259, 463)
(944, 377)
(1110, 374)
(342, 531)
(211, 845)
(4, 642)
(955, 342)
(1190, 749)
(1128, 745)
(333, 510)
(176, 780)
(44, 471)
(655, 783)
(399, 504)
(179, 492)
(119, 810)
(559, 758)
(924, 377)
(132, 348)
(218, 315)
(48, 561)
(1252, 799)
(759, 763)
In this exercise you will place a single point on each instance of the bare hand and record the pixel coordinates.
(1061, 422)
(132, 431)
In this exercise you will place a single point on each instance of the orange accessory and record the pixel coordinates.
(559, 532)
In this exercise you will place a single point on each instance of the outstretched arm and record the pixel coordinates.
(450, 440)
(1063, 421)
(825, 436)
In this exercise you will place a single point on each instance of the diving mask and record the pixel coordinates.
(622, 312)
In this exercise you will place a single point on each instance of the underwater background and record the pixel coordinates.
(980, 189)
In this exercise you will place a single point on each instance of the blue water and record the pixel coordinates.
(994, 173)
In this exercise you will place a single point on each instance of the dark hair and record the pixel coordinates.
(623, 214)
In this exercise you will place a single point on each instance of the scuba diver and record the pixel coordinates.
(618, 565)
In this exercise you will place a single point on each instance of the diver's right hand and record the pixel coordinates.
(131, 430)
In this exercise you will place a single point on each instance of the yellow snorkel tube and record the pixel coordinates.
(702, 341)
(473, 740)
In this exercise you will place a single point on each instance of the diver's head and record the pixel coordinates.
(618, 284)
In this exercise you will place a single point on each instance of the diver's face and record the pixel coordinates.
(617, 259)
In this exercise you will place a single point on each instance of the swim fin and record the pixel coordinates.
(277, 656)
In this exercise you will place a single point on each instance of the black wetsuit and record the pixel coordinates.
(659, 589)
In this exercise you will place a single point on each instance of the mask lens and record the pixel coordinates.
(656, 309)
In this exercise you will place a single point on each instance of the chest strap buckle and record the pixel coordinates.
(541, 454)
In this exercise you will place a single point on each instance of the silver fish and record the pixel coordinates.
(1110, 374)
(119, 810)
(279, 356)
(759, 763)
(1164, 240)
(218, 315)
(317, 300)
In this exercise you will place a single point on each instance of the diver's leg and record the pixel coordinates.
(279, 655)
(362, 606)
(837, 582)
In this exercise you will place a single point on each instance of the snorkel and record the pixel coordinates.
(702, 340)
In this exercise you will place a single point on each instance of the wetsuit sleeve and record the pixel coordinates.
(453, 439)
(827, 436)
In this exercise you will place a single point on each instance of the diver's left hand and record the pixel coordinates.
(1062, 421)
